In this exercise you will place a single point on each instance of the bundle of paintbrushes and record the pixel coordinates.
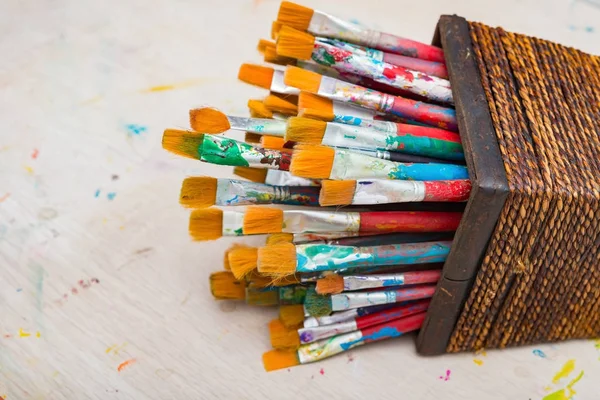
(354, 117)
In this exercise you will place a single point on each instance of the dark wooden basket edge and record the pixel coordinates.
(488, 178)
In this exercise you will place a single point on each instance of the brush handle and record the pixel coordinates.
(390, 238)
(433, 88)
(393, 328)
(284, 178)
(321, 257)
(301, 196)
(346, 301)
(348, 315)
(409, 221)
(360, 282)
(261, 126)
(392, 314)
(411, 158)
(224, 151)
(232, 192)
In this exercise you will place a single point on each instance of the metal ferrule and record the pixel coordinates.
(263, 126)
(322, 24)
(346, 301)
(298, 221)
(355, 49)
(336, 89)
(312, 334)
(232, 192)
(328, 347)
(359, 282)
(331, 319)
(233, 222)
(278, 86)
(284, 178)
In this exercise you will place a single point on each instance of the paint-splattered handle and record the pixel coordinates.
(416, 64)
(224, 151)
(456, 190)
(393, 328)
(392, 314)
(442, 117)
(409, 221)
(409, 48)
(302, 196)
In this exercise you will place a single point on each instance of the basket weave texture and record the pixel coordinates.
(540, 277)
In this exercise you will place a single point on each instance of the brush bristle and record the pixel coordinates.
(273, 143)
(278, 359)
(252, 174)
(224, 286)
(256, 75)
(259, 220)
(315, 114)
(242, 261)
(282, 337)
(280, 238)
(317, 305)
(285, 280)
(259, 110)
(234, 246)
(271, 56)
(258, 280)
(331, 284)
(310, 161)
(264, 44)
(312, 101)
(198, 192)
(302, 79)
(294, 43)
(253, 138)
(305, 130)
(206, 224)
(336, 193)
(260, 296)
(208, 120)
(183, 143)
(277, 260)
(275, 28)
(295, 15)
(292, 316)
(285, 105)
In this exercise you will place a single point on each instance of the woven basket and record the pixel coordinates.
(524, 266)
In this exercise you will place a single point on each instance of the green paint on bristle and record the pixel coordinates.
(294, 294)
(262, 296)
(183, 143)
(317, 305)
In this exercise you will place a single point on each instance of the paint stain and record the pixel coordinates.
(28, 169)
(322, 371)
(173, 86)
(566, 393)
(92, 100)
(35, 153)
(350, 358)
(97, 193)
(115, 349)
(564, 372)
(539, 353)
(227, 306)
(446, 377)
(6, 196)
(47, 213)
(144, 250)
(589, 29)
(125, 364)
(135, 129)
(83, 284)
(111, 195)
(19, 290)
(24, 334)
(478, 361)
(114, 177)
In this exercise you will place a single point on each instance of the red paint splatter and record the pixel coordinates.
(7, 335)
(425, 77)
(394, 73)
(95, 280)
(338, 54)
(74, 291)
(350, 358)
(389, 73)
(125, 364)
(447, 377)
(322, 371)
(84, 284)
(35, 153)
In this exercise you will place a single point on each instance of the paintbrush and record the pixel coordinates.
(321, 162)
(234, 246)
(252, 138)
(273, 177)
(411, 139)
(319, 305)
(260, 220)
(348, 315)
(286, 104)
(259, 295)
(275, 27)
(286, 259)
(335, 89)
(242, 261)
(203, 192)
(284, 338)
(300, 45)
(322, 24)
(258, 109)
(381, 191)
(369, 238)
(317, 107)
(265, 77)
(220, 150)
(257, 175)
(275, 238)
(224, 286)
(334, 284)
(210, 120)
(291, 316)
(277, 359)
(273, 143)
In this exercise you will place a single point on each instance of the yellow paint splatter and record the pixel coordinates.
(38, 334)
(22, 333)
(92, 100)
(564, 372)
(28, 169)
(115, 348)
(567, 393)
(478, 361)
(108, 349)
(173, 86)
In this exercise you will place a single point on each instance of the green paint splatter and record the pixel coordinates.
(332, 252)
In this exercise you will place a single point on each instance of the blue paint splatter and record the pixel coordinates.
(539, 353)
(589, 29)
(134, 129)
(111, 195)
(572, 28)
(97, 193)
(19, 289)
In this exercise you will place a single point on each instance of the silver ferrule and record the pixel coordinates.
(263, 126)
(298, 221)
(359, 282)
(278, 86)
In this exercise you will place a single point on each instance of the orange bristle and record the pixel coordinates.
(278, 359)
(224, 286)
(295, 15)
(275, 238)
(252, 174)
(258, 280)
(256, 75)
(294, 43)
(282, 337)
(234, 246)
(285, 104)
(331, 284)
(260, 296)
(336, 193)
(183, 143)
(253, 138)
(311, 161)
(302, 79)
(198, 192)
(206, 224)
(208, 120)
(312, 101)
(315, 114)
(273, 143)
(285, 280)
(305, 130)
(263, 44)
(259, 219)
(277, 260)
(275, 27)
(259, 110)
(271, 56)
(242, 261)
(292, 316)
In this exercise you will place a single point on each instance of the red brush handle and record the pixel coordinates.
(426, 113)
(393, 328)
(457, 190)
(415, 277)
(409, 221)
(424, 131)
(392, 314)
(416, 64)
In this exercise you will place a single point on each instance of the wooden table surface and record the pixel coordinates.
(102, 293)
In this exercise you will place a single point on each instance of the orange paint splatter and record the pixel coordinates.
(126, 364)
(35, 153)
(6, 196)
(173, 86)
